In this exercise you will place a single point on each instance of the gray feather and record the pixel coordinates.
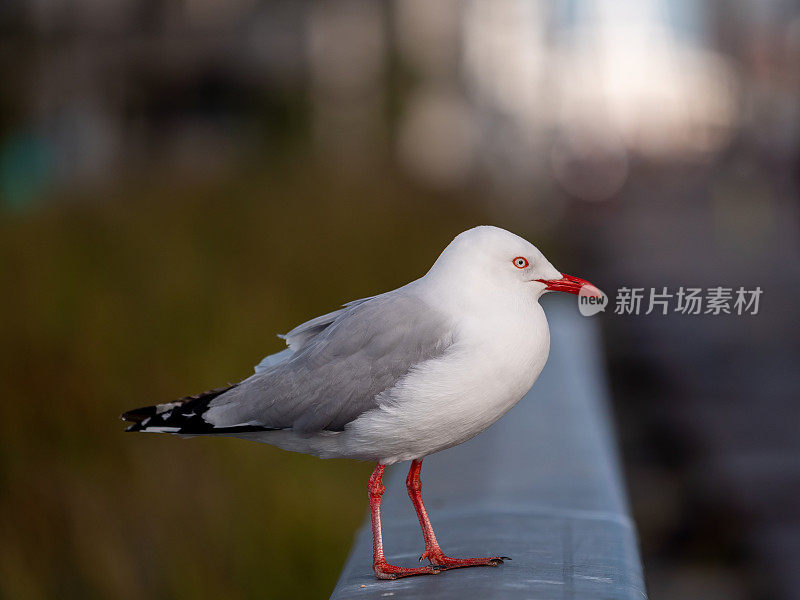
(273, 359)
(298, 336)
(342, 361)
(301, 334)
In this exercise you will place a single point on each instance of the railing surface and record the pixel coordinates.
(542, 486)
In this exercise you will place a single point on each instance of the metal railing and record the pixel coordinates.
(542, 486)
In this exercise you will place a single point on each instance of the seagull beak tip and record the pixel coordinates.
(571, 285)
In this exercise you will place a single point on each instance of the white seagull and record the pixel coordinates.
(397, 376)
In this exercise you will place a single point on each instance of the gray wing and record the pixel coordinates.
(301, 334)
(336, 373)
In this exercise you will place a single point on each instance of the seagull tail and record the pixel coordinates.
(185, 417)
(164, 418)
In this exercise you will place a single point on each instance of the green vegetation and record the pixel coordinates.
(151, 291)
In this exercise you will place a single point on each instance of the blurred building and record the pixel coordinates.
(511, 94)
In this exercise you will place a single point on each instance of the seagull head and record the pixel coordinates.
(489, 261)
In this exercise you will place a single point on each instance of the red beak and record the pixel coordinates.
(570, 284)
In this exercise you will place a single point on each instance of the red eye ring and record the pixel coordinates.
(520, 262)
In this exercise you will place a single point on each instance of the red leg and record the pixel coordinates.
(432, 550)
(384, 570)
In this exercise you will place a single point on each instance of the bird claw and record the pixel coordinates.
(447, 563)
(387, 571)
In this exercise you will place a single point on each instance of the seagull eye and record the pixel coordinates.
(520, 262)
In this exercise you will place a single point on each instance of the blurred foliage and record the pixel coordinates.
(150, 291)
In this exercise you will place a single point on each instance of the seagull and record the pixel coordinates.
(397, 376)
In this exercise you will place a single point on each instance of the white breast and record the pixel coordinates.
(448, 400)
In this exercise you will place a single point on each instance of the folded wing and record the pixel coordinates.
(336, 375)
(335, 367)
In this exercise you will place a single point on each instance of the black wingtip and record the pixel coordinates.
(184, 416)
(137, 415)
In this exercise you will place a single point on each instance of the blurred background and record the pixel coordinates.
(182, 179)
